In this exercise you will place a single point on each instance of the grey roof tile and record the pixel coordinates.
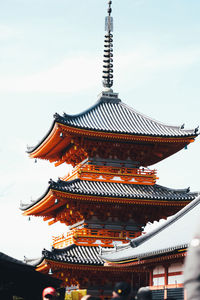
(85, 255)
(110, 115)
(118, 190)
(121, 190)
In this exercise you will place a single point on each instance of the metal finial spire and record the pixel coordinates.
(108, 55)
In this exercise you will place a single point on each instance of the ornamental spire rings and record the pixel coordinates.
(108, 50)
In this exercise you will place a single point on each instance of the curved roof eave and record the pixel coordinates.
(78, 185)
(118, 101)
(56, 116)
(32, 149)
(187, 133)
(165, 131)
(25, 207)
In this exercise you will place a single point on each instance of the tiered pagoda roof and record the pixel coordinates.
(169, 238)
(106, 191)
(78, 265)
(112, 120)
(114, 116)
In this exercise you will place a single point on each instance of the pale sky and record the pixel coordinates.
(51, 56)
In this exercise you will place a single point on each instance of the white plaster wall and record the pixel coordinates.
(158, 281)
(175, 279)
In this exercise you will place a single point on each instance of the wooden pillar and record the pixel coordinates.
(151, 276)
(166, 274)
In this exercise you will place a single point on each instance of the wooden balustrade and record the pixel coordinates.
(89, 237)
(113, 174)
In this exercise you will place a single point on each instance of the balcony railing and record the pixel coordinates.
(113, 174)
(90, 237)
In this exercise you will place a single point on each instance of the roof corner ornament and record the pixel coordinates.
(100, 250)
(196, 130)
(50, 181)
(108, 52)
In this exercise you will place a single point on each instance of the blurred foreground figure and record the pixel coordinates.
(122, 290)
(192, 269)
(144, 293)
(49, 293)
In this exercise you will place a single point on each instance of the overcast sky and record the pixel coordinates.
(51, 56)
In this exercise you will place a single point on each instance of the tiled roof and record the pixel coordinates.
(121, 190)
(82, 255)
(175, 233)
(112, 115)
(118, 190)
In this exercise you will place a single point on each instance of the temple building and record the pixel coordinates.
(161, 251)
(110, 195)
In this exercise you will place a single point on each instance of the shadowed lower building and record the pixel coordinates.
(17, 279)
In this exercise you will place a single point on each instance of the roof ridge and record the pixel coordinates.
(167, 249)
(102, 99)
(68, 116)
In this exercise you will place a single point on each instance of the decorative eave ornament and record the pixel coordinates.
(108, 52)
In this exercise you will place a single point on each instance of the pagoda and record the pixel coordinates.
(111, 193)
